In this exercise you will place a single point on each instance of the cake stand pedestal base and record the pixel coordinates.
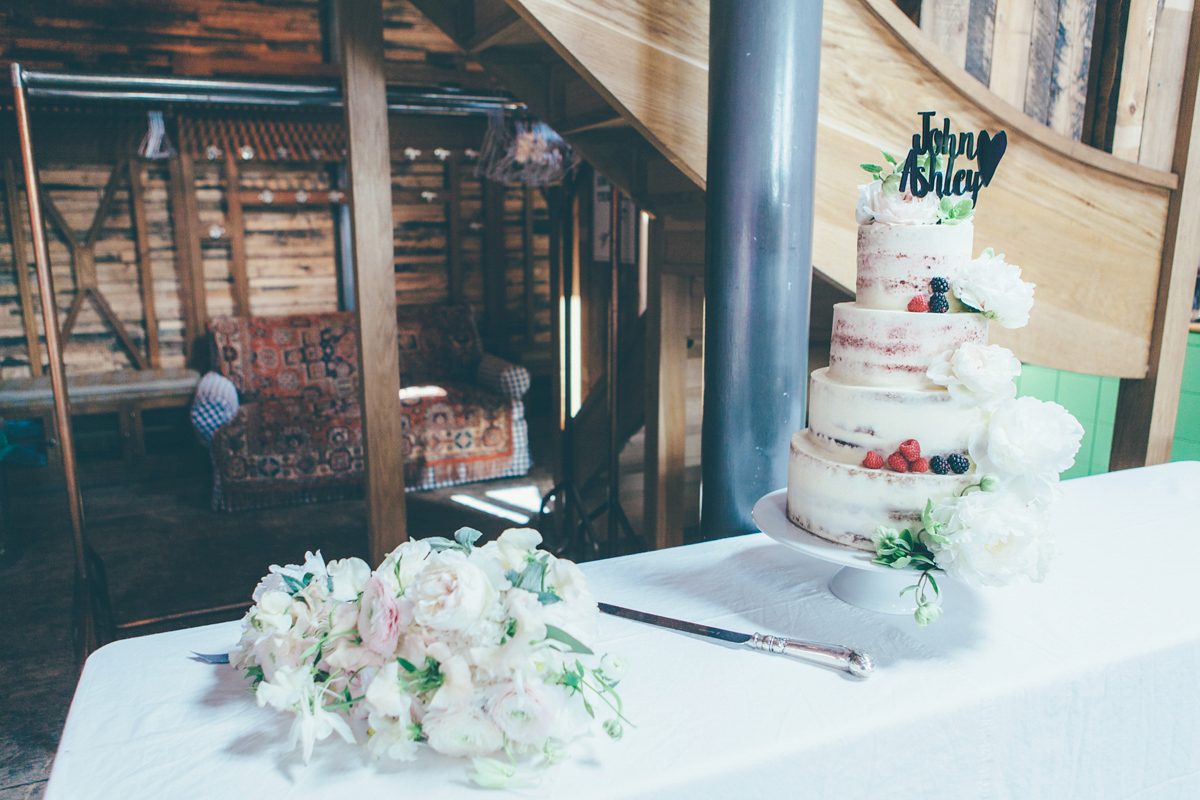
(859, 582)
(875, 591)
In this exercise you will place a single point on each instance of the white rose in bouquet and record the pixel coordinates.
(994, 287)
(976, 374)
(991, 538)
(464, 731)
(450, 593)
(1027, 442)
(887, 205)
(405, 562)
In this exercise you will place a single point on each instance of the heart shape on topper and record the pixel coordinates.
(988, 152)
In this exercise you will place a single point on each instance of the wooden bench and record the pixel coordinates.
(126, 393)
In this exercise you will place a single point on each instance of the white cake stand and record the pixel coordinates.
(859, 582)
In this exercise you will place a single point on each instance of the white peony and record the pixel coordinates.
(1027, 442)
(877, 203)
(462, 732)
(994, 287)
(526, 712)
(450, 593)
(976, 374)
(992, 538)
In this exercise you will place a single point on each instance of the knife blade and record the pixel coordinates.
(847, 659)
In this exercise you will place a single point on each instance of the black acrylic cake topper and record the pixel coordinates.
(923, 173)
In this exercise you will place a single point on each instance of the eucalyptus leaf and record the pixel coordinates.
(440, 543)
(559, 635)
(467, 537)
(891, 159)
(548, 598)
(874, 169)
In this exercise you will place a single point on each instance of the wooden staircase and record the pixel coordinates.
(625, 81)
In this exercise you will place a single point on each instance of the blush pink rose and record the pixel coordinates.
(382, 618)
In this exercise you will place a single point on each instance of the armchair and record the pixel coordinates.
(283, 419)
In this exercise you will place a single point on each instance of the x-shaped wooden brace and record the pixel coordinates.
(83, 249)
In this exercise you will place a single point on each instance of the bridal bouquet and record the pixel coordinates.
(472, 651)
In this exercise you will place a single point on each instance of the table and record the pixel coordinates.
(1084, 686)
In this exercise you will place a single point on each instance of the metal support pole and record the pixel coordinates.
(611, 367)
(764, 59)
(58, 380)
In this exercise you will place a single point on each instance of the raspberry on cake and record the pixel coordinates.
(910, 449)
(898, 462)
(873, 460)
(920, 304)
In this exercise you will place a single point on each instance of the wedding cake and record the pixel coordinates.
(915, 423)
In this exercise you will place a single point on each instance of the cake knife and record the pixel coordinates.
(855, 662)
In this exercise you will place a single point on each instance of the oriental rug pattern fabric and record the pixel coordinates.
(297, 437)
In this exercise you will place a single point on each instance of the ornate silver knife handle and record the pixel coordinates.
(855, 662)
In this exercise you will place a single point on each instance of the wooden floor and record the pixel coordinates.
(165, 552)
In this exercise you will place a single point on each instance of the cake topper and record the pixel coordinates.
(929, 166)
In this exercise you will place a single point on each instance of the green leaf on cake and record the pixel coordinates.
(874, 169)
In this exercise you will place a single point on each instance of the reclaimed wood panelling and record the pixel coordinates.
(1072, 59)
(1135, 78)
(945, 22)
(1043, 36)
(980, 34)
(1166, 83)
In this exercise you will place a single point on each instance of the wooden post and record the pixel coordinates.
(141, 230)
(20, 266)
(185, 220)
(237, 237)
(666, 396)
(360, 29)
(1146, 409)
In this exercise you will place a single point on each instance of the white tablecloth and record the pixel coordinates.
(1084, 686)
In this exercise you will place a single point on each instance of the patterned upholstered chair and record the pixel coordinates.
(283, 419)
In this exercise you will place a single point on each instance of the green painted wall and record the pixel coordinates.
(1093, 401)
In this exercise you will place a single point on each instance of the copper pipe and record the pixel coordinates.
(58, 379)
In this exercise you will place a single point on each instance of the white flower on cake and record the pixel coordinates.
(977, 374)
(878, 202)
(1027, 442)
(990, 538)
(469, 650)
(994, 287)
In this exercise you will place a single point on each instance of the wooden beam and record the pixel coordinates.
(118, 327)
(16, 233)
(237, 237)
(499, 31)
(106, 200)
(667, 319)
(1146, 409)
(185, 220)
(454, 265)
(141, 231)
(1135, 77)
(360, 28)
(1166, 84)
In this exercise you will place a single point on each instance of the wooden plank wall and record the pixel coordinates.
(217, 37)
(1106, 73)
(290, 258)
